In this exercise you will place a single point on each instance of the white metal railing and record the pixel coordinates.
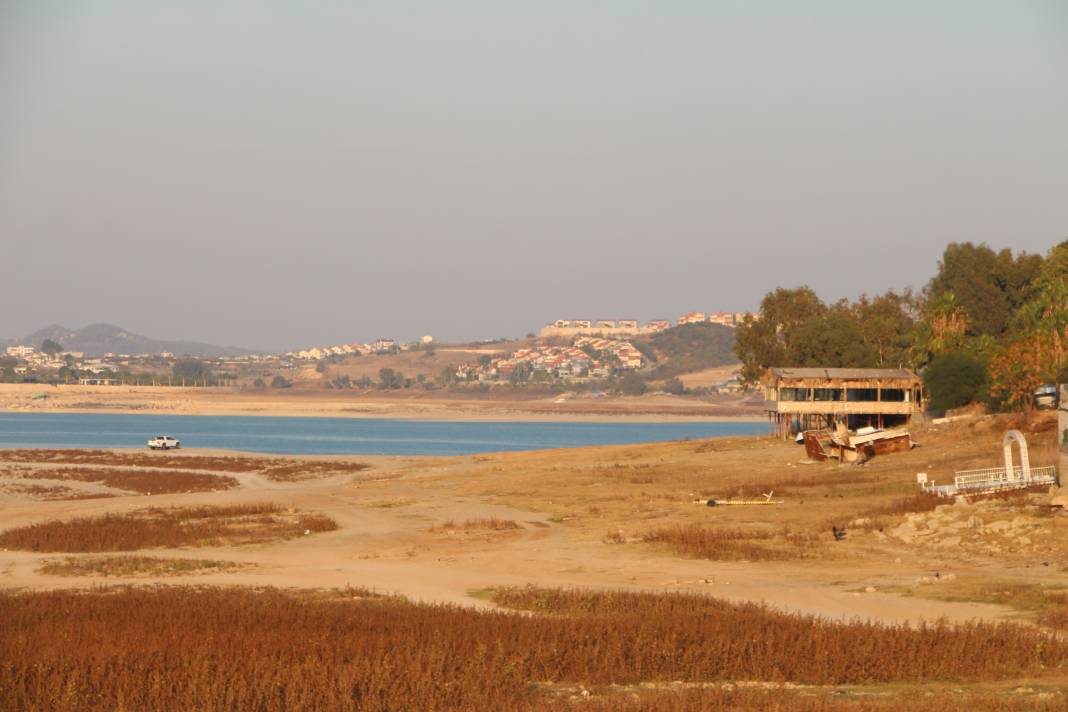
(999, 475)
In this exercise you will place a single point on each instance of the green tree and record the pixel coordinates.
(989, 286)
(834, 338)
(388, 378)
(942, 330)
(953, 380)
(519, 374)
(631, 384)
(280, 382)
(674, 386)
(1046, 306)
(259, 384)
(1035, 351)
(766, 340)
(189, 371)
(887, 324)
(51, 347)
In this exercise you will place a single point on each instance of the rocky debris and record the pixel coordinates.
(1058, 497)
(976, 529)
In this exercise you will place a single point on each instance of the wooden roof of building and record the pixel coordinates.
(776, 374)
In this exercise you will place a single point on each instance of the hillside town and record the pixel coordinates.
(631, 327)
(568, 351)
(586, 358)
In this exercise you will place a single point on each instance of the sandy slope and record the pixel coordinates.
(35, 398)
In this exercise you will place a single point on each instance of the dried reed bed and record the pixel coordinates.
(53, 493)
(133, 566)
(471, 525)
(919, 502)
(132, 459)
(212, 649)
(735, 544)
(141, 481)
(729, 698)
(833, 481)
(274, 468)
(166, 527)
(288, 471)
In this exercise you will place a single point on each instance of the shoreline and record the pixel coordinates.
(159, 400)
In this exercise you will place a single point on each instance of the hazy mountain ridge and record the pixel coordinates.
(99, 339)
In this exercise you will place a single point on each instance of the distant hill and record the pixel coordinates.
(688, 348)
(99, 339)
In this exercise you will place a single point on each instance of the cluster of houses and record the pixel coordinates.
(381, 346)
(34, 365)
(631, 327)
(30, 359)
(731, 319)
(586, 358)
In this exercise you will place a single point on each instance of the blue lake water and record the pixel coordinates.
(339, 436)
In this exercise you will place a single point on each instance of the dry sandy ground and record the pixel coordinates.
(568, 502)
(36, 398)
(710, 376)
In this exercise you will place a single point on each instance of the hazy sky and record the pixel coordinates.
(274, 174)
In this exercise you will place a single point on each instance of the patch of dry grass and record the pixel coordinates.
(166, 527)
(133, 566)
(280, 469)
(1046, 605)
(487, 524)
(53, 493)
(140, 481)
(735, 544)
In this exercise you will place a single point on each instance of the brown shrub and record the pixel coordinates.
(171, 527)
(275, 468)
(722, 544)
(919, 502)
(487, 524)
(214, 649)
(783, 486)
(141, 481)
(132, 566)
(54, 493)
(289, 471)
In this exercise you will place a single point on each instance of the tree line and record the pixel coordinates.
(989, 326)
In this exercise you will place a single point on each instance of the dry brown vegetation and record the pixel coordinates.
(268, 650)
(1047, 605)
(919, 502)
(141, 481)
(133, 566)
(723, 544)
(274, 468)
(166, 527)
(486, 524)
(284, 471)
(53, 493)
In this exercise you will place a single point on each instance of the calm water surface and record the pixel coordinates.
(341, 436)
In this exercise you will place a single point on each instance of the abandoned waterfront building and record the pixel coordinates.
(799, 399)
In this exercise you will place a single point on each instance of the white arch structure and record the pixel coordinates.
(1025, 461)
(1011, 476)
